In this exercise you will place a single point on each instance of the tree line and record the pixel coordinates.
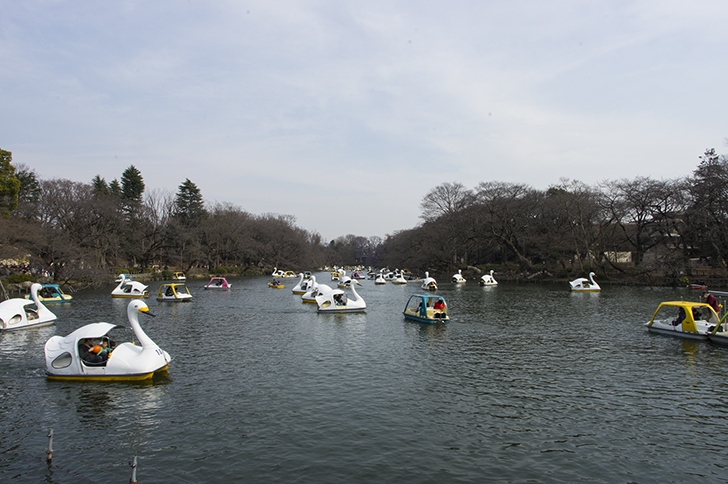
(79, 231)
(640, 227)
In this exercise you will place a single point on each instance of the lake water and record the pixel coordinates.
(527, 383)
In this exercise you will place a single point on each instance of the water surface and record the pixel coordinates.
(527, 383)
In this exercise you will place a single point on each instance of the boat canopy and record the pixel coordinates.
(426, 308)
(686, 312)
(93, 330)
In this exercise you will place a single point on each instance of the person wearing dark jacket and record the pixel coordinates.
(87, 354)
(712, 302)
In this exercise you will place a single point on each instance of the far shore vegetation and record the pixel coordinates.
(629, 231)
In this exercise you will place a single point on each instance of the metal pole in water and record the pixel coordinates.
(133, 464)
(49, 452)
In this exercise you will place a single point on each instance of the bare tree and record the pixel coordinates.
(445, 199)
(707, 216)
(507, 212)
(632, 204)
(574, 213)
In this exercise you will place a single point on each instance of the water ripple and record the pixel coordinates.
(526, 384)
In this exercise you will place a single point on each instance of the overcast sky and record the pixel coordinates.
(345, 114)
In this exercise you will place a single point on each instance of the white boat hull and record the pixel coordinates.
(666, 328)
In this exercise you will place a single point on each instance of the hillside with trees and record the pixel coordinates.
(642, 230)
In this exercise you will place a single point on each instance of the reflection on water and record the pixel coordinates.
(29, 339)
(92, 403)
(431, 333)
(527, 382)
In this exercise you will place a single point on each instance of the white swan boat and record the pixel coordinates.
(277, 273)
(51, 293)
(127, 361)
(585, 285)
(684, 319)
(488, 279)
(316, 290)
(344, 282)
(399, 278)
(303, 286)
(458, 278)
(380, 280)
(129, 288)
(19, 313)
(429, 283)
(121, 277)
(174, 292)
(337, 301)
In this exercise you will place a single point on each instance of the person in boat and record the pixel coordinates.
(99, 356)
(106, 348)
(696, 314)
(439, 304)
(90, 353)
(712, 301)
(338, 300)
(680, 317)
(170, 292)
(84, 349)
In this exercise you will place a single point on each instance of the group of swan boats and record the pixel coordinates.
(173, 292)
(88, 353)
(420, 307)
(344, 298)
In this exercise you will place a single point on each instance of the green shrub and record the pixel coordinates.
(167, 275)
(127, 270)
(18, 278)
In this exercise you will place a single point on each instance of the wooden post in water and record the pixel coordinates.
(133, 464)
(49, 452)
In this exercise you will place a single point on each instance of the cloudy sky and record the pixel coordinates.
(346, 113)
